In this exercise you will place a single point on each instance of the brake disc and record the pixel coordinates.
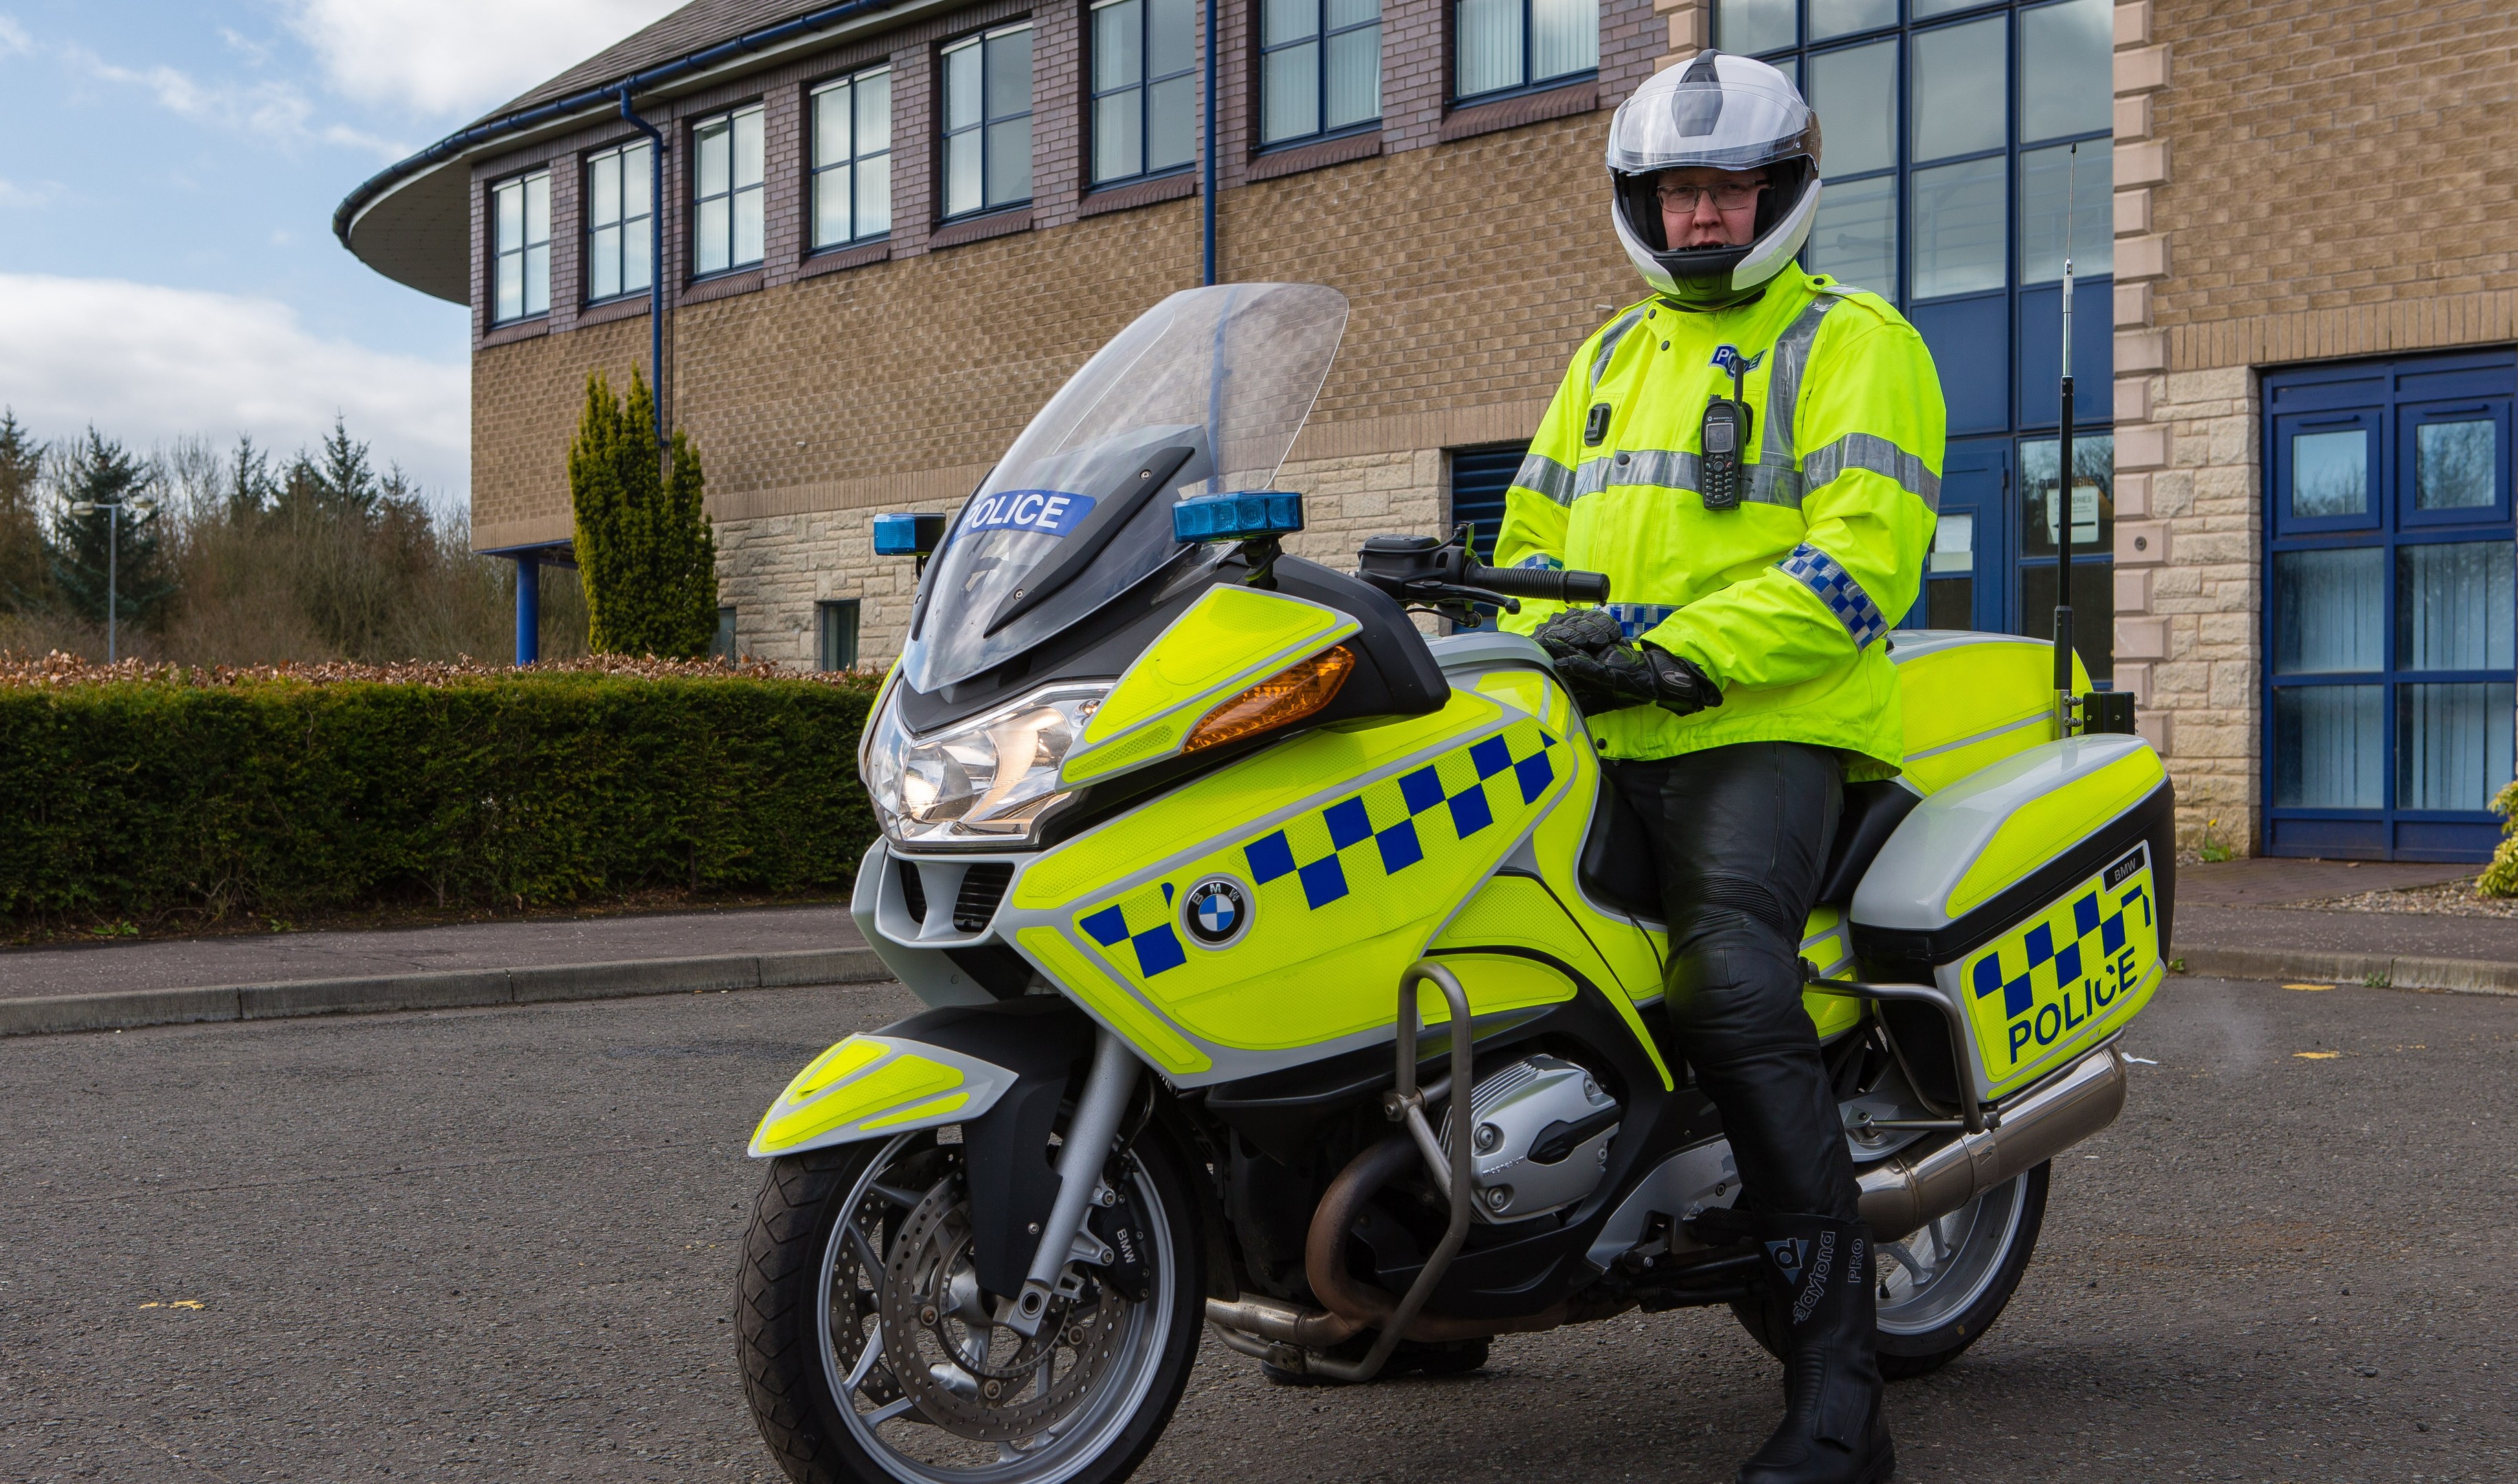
(856, 1292)
(970, 1374)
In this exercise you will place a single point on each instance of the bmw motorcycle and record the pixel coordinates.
(1292, 974)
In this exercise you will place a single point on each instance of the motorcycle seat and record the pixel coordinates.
(1872, 811)
(1617, 867)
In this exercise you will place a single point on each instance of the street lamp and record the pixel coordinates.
(113, 532)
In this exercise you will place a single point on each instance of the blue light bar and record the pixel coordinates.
(1237, 516)
(908, 534)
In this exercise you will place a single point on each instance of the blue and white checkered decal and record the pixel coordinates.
(1396, 847)
(1826, 576)
(1636, 619)
(1325, 855)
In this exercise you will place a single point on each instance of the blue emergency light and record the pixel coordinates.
(908, 534)
(1241, 516)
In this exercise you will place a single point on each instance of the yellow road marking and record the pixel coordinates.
(2308, 987)
(2317, 1056)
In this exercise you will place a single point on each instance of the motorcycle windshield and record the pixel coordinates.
(1203, 394)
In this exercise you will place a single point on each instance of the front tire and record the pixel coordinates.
(853, 1246)
(1944, 1285)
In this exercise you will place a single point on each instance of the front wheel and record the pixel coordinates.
(870, 1355)
(1942, 1285)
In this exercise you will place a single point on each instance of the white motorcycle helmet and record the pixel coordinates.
(1730, 113)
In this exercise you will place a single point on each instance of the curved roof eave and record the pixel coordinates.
(413, 221)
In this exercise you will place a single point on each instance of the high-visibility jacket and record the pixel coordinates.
(1785, 599)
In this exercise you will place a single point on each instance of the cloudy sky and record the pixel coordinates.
(167, 264)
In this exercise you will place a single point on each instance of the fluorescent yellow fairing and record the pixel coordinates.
(2040, 828)
(1825, 946)
(1112, 1002)
(1972, 700)
(2065, 979)
(876, 1083)
(1230, 639)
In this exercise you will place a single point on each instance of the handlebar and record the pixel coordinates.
(1547, 585)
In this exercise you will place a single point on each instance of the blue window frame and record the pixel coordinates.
(1500, 46)
(520, 247)
(835, 625)
(1965, 143)
(853, 159)
(1144, 88)
(1319, 69)
(987, 121)
(620, 221)
(727, 222)
(2391, 612)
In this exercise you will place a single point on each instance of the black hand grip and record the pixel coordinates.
(1548, 584)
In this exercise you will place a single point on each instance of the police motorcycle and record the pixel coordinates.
(1292, 974)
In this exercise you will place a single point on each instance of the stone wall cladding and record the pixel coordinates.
(2245, 134)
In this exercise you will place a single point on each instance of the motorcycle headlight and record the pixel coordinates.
(980, 784)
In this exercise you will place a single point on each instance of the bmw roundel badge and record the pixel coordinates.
(1216, 911)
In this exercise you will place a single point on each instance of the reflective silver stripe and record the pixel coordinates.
(1871, 451)
(1676, 471)
(1609, 339)
(1791, 358)
(1547, 476)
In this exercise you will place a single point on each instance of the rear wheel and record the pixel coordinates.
(1944, 1285)
(870, 1353)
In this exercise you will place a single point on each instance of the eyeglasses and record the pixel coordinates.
(1731, 195)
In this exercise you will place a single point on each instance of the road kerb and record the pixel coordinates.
(129, 1009)
(2463, 976)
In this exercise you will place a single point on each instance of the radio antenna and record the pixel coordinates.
(2064, 719)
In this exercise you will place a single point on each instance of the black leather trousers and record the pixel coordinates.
(1741, 835)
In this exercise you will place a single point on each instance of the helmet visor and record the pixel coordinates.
(1720, 111)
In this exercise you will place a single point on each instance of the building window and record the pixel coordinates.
(722, 647)
(1968, 152)
(2391, 629)
(1959, 152)
(620, 221)
(1145, 87)
(520, 213)
(987, 121)
(725, 222)
(853, 159)
(1503, 45)
(1319, 67)
(836, 628)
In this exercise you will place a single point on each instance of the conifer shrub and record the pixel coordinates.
(2501, 877)
(642, 540)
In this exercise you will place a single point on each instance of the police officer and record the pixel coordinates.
(1752, 455)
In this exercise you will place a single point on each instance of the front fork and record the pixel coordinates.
(1107, 1088)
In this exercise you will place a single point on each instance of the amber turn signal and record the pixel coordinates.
(1285, 698)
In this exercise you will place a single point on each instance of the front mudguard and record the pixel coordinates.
(999, 1070)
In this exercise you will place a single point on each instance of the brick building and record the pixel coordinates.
(890, 230)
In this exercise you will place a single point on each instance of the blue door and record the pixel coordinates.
(1967, 578)
(2391, 625)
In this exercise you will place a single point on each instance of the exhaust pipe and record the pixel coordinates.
(1918, 1185)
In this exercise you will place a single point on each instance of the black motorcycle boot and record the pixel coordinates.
(1822, 1276)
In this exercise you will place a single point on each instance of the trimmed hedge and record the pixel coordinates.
(141, 797)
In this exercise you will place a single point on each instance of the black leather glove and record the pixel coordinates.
(1638, 675)
(1582, 634)
(1592, 631)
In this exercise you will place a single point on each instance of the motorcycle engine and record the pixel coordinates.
(1538, 1140)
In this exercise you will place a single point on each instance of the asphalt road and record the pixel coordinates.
(499, 1245)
